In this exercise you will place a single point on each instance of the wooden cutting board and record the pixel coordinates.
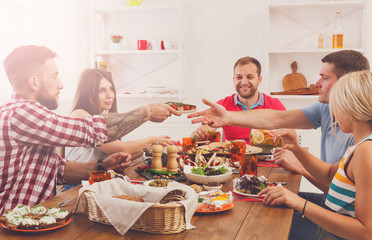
(294, 80)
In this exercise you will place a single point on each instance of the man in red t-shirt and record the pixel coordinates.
(247, 78)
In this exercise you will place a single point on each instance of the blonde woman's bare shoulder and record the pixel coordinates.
(80, 113)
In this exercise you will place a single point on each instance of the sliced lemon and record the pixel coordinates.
(258, 137)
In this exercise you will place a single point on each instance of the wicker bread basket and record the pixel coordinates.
(158, 219)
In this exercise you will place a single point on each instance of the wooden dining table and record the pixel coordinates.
(246, 220)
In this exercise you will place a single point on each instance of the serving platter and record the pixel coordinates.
(225, 145)
(37, 230)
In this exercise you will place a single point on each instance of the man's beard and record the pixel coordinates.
(46, 99)
(246, 95)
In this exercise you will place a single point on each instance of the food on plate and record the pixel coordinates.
(38, 210)
(197, 188)
(249, 184)
(129, 198)
(264, 137)
(214, 200)
(181, 106)
(175, 195)
(38, 217)
(160, 183)
(209, 171)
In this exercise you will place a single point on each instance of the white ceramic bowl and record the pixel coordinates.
(205, 179)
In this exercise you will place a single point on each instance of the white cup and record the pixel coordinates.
(169, 45)
(155, 44)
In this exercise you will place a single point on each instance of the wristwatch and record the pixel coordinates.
(100, 165)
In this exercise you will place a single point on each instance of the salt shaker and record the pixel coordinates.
(157, 151)
(172, 155)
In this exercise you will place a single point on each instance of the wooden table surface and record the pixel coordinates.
(246, 220)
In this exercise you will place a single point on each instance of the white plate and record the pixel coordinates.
(188, 111)
(147, 183)
(244, 194)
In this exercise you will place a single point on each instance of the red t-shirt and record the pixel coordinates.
(232, 103)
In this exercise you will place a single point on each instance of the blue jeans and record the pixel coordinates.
(67, 187)
(303, 228)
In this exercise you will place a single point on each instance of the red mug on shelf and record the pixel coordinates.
(143, 44)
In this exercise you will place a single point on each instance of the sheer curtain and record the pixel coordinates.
(61, 26)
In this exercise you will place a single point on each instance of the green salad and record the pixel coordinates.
(208, 171)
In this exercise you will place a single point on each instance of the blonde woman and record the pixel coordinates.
(96, 95)
(347, 213)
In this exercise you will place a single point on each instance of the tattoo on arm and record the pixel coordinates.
(120, 124)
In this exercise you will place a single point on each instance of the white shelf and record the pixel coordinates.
(131, 52)
(147, 95)
(310, 50)
(296, 97)
(126, 9)
(315, 4)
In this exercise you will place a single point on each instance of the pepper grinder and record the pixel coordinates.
(172, 155)
(157, 151)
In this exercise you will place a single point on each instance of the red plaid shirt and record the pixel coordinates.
(29, 164)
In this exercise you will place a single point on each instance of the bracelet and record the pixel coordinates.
(100, 165)
(303, 210)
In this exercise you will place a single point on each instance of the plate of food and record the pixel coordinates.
(158, 183)
(249, 185)
(35, 219)
(214, 201)
(183, 108)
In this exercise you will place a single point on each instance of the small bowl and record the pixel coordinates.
(209, 188)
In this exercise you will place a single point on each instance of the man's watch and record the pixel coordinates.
(100, 165)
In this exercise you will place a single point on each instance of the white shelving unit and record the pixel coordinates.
(140, 73)
(292, 30)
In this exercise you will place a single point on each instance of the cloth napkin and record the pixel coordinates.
(263, 163)
(122, 214)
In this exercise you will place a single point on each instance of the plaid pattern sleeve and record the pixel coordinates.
(29, 135)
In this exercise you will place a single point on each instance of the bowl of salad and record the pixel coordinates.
(207, 174)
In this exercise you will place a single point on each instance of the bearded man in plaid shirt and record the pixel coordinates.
(30, 167)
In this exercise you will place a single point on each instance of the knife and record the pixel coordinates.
(66, 202)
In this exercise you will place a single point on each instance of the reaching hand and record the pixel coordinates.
(289, 138)
(162, 140)
(158, 112)
(215, 117)
(288, 160)
(280, 195)
(117, 161)
(201, 132)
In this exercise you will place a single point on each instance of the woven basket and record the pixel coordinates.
(158, 219)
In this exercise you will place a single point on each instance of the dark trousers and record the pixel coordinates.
(303, 228)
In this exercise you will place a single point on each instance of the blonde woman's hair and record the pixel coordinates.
(352, 96)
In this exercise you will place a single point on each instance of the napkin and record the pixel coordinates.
(262, 163)
(122, 214)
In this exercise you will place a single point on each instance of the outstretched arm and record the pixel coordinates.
(120, 124)
(217, 116)
(76, 171)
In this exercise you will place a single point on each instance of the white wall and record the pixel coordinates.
(218, 32)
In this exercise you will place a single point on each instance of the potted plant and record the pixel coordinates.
(116, 38)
